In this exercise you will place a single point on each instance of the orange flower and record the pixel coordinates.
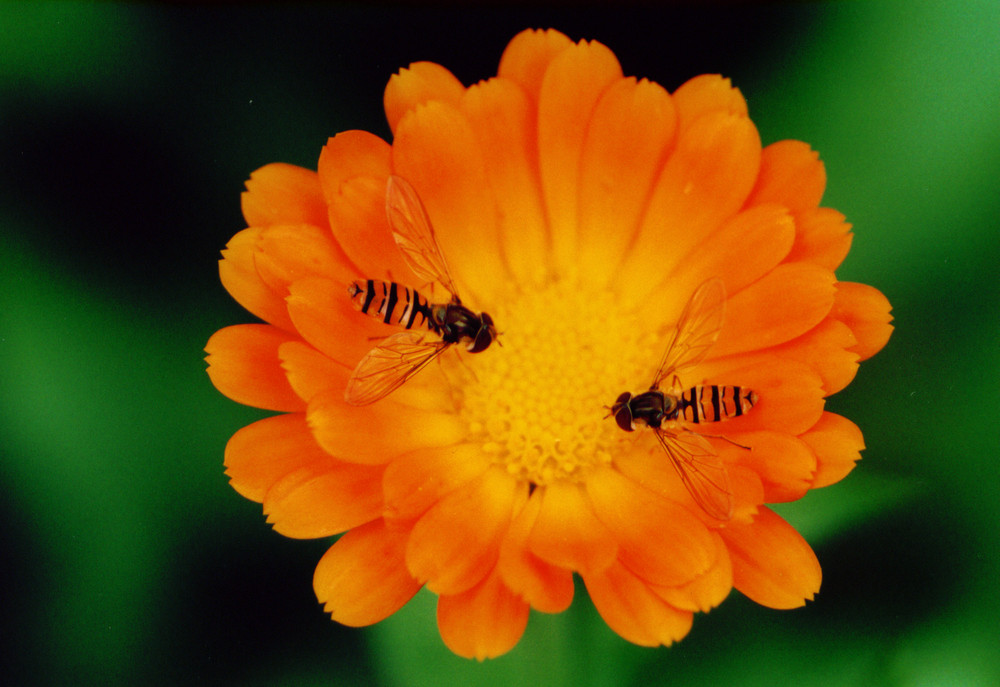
(581, 209)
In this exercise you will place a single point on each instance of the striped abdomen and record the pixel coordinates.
(392, 303)
(712, 403)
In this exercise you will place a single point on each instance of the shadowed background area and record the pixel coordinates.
(126, 133)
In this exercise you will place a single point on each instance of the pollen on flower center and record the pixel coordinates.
(539, 403)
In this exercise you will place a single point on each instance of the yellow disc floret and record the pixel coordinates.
(539, 402)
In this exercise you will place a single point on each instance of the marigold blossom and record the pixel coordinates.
(581, 209)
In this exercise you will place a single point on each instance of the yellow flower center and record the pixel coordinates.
(540, 401)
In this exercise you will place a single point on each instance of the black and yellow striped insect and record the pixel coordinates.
(701, 470)
(400, 356)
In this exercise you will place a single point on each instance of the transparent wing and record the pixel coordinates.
(696, 332)
(386, 367)
(701, 470)
(411, 227)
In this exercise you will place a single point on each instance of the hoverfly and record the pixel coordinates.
(390, 364)
(701, 470)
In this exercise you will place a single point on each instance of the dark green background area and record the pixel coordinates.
(126, 132)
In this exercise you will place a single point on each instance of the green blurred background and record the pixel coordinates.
(126, 132)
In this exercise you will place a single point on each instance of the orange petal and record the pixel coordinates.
(417, 480)
(866, 311)
(571, 88)
(456, 543)
(837, 443)
(707, 590)
(822, 237)
(747, 488)
(362, 579)
(826, 348)
(769, 229)
(772, 564)
(630, 133)
(238, 272)
(324, 498)
(437, 152)
(788, 302)
(708, 93)
(243, 364)
(545, 587)
(528, 56)
(785, 463)
(504, 126)
(703, 183)
(325, 317)
(567, 533)
(649, 466)
(483, 622)
(262, 453)
(279, 193)
(789, 394)
(309, 371)
(378, 433)
(420, 83)
(633, 610)
(286, 253)
(791, 174)
(353, 169)
(658, 539)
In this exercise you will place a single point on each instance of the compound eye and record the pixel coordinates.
(623, 412)
(482, 341)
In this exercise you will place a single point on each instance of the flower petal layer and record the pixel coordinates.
(827, 349)
(837, 443)
(324, 498)
(546, 588)
(353, 169)
(708, 93)
(243, 364)
(772, 564)
(306, 493)
(633, 610)
(419, 83)
(568, 534)
(791, 174)
(309, 371)
(345, 431)
(263, 452)
(571, 88)
(528, 56)
(239, 275)
(768, 228)
(822, 237)
(707, 590)
(786, 464)
(652, 469)
(790, 395)
(452, 551)
(788, 302)
(362, 578)
(417, 480)
(483, 622)
(636, 517)
(630, 133)
(280, 193)
(325, 317)
(866, 311)
(285, 253)
(704, 182)
(503, 123)
(436, 150)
